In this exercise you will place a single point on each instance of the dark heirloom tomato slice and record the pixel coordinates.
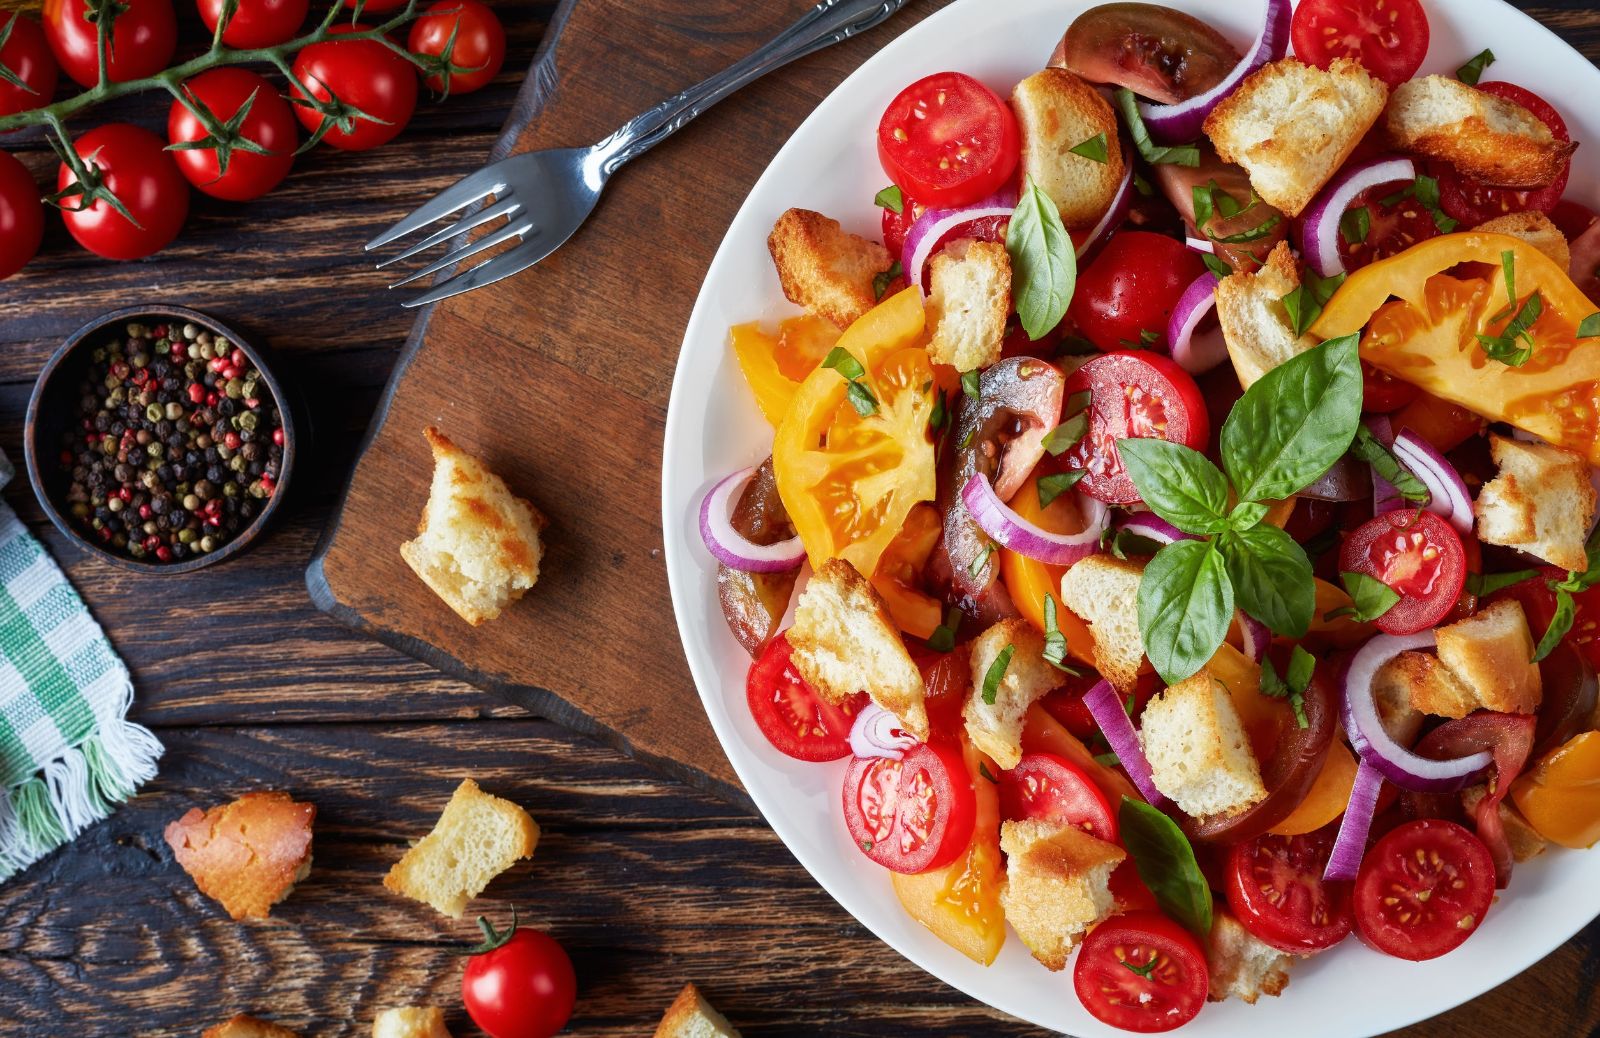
(1391, 229)
(1472, 202)
(914, 814)
(947, 678)
(789, 712)
(948, 140)
(1141, 972)
(1388, 37)
(1419, 556)
(1052, 788)
(1423, 890)
(1132, 394)
(1276, 889)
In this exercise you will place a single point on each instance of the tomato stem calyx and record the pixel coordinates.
(492, 938)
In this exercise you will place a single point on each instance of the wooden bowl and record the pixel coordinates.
(53, 405)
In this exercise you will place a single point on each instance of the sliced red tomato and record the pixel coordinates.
(1423, 889)
(1382, 393)
(1572, 218)
(797, 721)
(947, 678)
(1052, 788)
(1276, 889)
(913, 814)
(1472, 202)
(1124, 299)
(1419, 556)
(948, 140)
(1388, 37)
(1141, 972)
(1132, 394)
(1510, 738)
(897, 225)
(1391, 228)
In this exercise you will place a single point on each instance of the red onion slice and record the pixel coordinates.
(1385, 498)
(1255, 637)
(877, 733)
(1200, 244)
(1448, 494)
(1114, 214)
(1117, 727)
(931, 227)
(1008, 529)
(1375, 746)
(732, 548)
(1196, 355)
(1319, 227)
(1351, 846)
(1180, 123)
(1153, 528)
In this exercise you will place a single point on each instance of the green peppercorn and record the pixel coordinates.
(234, 389)
(139, 360)
(156, 451)
(237, 463)
(136, 550)
(248, 420)
(230, 490)
(136, 330)
(258, 489)
(98, 356)
(186, 536)
(154, 412)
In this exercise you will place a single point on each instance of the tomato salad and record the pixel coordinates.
(1235, 572)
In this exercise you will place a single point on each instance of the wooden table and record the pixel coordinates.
(646, 882)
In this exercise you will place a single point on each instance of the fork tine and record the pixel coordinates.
(459, 195)
(508, 207)
(511, 230)
(502, 266)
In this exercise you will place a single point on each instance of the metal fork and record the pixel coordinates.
(545, 196)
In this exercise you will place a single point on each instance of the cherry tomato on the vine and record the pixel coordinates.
(26, 53)
(143, 39)
(21, 215)
(134, 165)
(376, 6)
(479, 48)
(256, 23)
(519, 984)
(269, 124)
(364, 75)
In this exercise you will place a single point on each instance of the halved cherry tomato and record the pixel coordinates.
(1419, 556)
(1388, 37)
(1124, 299)
(1065, 704)
(1539, 606)
(1048, 787)
(1472, 202)
(1275, 887)
(797, 721)
(1381, 392)
(1141, 972)
(26, 54)
(946, 680)
(948, 140)
(1423, 889)
(1132, 394)
(1391, 229)
(1043, 733)
(913, 814)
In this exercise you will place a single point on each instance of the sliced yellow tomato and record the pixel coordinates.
(1428, 335)
(1029, 580)
(849, 480)
(1042, 733)
(899, 568)
(960, 902)
(1329, 794)
(1342, 631)
(775, 363)
(1560, 795)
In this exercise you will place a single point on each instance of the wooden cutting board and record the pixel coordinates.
(558, 378)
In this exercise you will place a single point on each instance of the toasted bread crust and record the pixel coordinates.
(691, 1016)
(1057, 111)
(968, 302)
(1537, 230)
(1541, 501)
(1056, 885)
(824, 268)
(1484, 137)
(242, 1025)
(1255, 325)
(248, 854)
(456, 860)
(996, 728)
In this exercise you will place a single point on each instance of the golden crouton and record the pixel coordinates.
(410, 1022)
(996, 728)
(1537, 230)
(1412, 678)
(1057, 885)
(1057, 111)
(1491, 653)
(477, 837)
(1103, 591)
(691, 1016)
(1199, 754)
(1241, 965)
(968, 300)
(242, 1026)
(1485, 137)
(248, 854)
(824, 268)
(1255, 325)
(1540, 502)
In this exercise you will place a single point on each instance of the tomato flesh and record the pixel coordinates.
(1141, 972)
(1124, 299)
(948, 140)
(1382, 393)
(1132, 394)
(1423, 889)
(1391, 228)
(1045, 786)
(1276, 889)
(1388, 37)
(913, 814)
(798, 722)
(1472, 202)
(1419, 556)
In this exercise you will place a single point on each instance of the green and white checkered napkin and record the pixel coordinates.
(68, 753)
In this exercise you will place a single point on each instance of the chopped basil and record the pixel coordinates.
(943, 638)
(1472, 71)
(1210, 199)
(1503, 347)
(1370, 596)
(1566, 607)
(1052, 487)
(941, 414)
(1147, 338)
(1181, 155)
(1355, 225)
(1485, 584)
(861, 399)
(1425, 190)
(1293, 686)
(996, 673)
(1146, 969)
(1589, 327)
(1055, 643)
(1065, 436)
(1108, 760)
(983, 769)
(890, 198)
(1216, 264)
(970, 381)
(966, 441)
(1141, 185)
(881, 281)
(1094, 148)
(1256, 233)
(1370, 449)
(981, 561)
(841, 360)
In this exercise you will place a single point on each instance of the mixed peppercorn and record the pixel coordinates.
(177, 444)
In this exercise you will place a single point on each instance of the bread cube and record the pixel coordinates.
(410, 1022)
(477, 837)
(996, 728)
(1057, 885)
(691, 1016)
(1057, 111)
(1255, 325)
(249, 854)
(1243, 966)
(1103, 591)
(1199, 754)
(1485, 137)
(1540, 502)
(968, 300)
(825, 268)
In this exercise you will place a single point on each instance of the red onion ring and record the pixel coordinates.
(1181, 122)
(1008, 529)
(931, 227)
(1351, 845)
(1385, 498)
(1448, 494)
(1254, 636)
(732, 548)
(1375, 746)
(1319, 228)
(1114, 214)
(1153, 528)
(1196, 356)
(877, 733)
(1117, 727)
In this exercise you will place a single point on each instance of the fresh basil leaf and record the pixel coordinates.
(890, 198)
(1294, 422)
(1147, 338)
(979, 563)
(1216, 264)
(1246, 514)
(940, 415)
(1185, 606)
(1166, 863)
(1094, 148)
(1301, 308)
(1143, 186)
(1503, 347)
(1256, 233)
(1124, 543)
(1181, 155)
(1204, 198)
(1370, 449)
(1583, 581)
(1065, 436)
(1044, 265)
(1508, 267)
(1053, 486)
(881, 281)
(1302, 665)
(996, 673)
(1589, 327)
(840, 360)
(1178, 483)
(1560, 624)
(971, 381)
(1472, 71)
(966, 441)
(1322, 288)
(1427, 193)
(861, 399)
(1370, 596)
(1108, 759)
(1076, 403)
(1055, 643)
(1271, 578)
(1485, 584)
(1271, 684)
(1355, 225)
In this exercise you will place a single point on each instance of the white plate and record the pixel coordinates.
(713, 427)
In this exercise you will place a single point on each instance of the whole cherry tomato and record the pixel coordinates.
(519, 983)
(1124, 299)
(257, 23)
(479, 47)
(134, 165)
(376, 6)
(143, 39)
(269, 124)
(26, 53)
(21, 215)
(363, 75)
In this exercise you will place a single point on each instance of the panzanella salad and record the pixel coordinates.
(1185, 504)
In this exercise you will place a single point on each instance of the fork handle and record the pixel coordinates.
(824, 25)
